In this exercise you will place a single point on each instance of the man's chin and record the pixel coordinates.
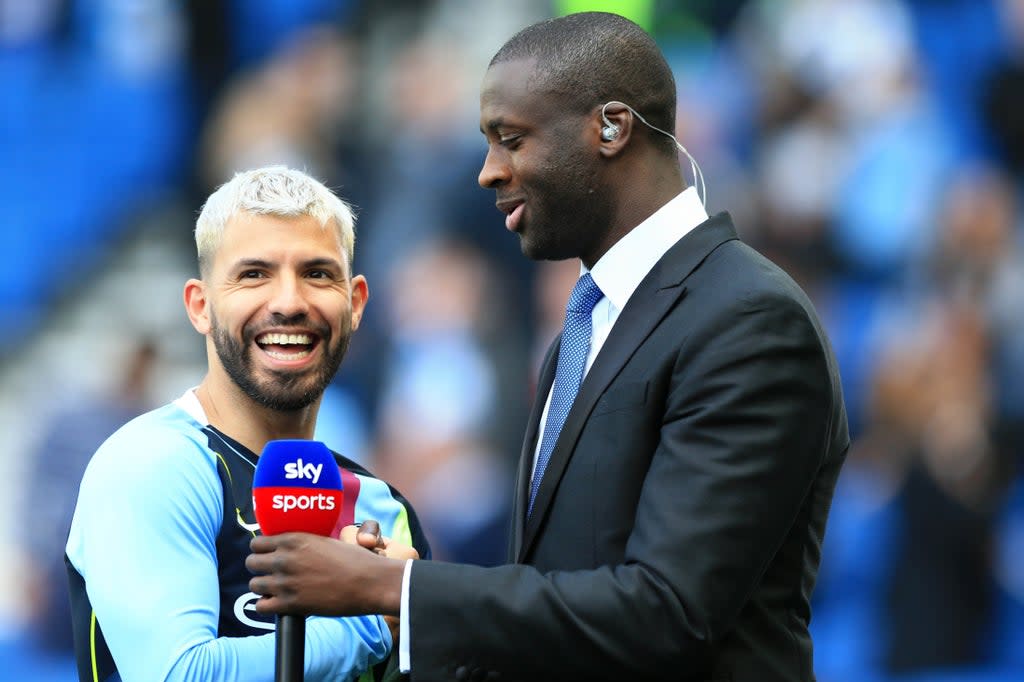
(539, 252)
(287, 393)
(531, 249)
(289, 402)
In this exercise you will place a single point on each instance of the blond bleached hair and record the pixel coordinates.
(274, 191)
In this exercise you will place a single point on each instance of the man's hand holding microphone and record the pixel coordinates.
(298, 573)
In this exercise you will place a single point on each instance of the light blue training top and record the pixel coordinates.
(143, 538)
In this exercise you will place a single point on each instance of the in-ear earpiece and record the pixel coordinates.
(611, 131)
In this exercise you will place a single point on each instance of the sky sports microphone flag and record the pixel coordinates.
(297, 487)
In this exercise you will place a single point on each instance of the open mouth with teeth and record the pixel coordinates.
(286, 346)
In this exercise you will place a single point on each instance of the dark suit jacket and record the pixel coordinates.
(677, 532)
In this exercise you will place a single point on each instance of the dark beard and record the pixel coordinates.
(570, 209)
(285, 392)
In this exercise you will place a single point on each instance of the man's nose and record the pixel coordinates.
(494, 172)
(288, 298)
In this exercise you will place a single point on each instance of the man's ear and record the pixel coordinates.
(197, 306)
(360, 294)
(613, 129)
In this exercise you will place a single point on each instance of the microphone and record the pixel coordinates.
(296, 488)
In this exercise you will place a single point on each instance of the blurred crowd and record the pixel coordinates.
(873, 148)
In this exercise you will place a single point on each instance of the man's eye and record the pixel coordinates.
(252, 274)
(510, 141)
(319, 274)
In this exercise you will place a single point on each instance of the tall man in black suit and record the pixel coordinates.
(668, 516)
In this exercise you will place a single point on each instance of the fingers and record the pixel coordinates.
(271, 565)
(259, 564)
(366, 535)
(369, 535)
(272, 604)
(265, 604)
(264, 543)
(270, 552)
(261, 585)
(397, 550)
(271, 600)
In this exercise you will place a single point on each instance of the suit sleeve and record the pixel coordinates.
(743, 432)
(143, 538)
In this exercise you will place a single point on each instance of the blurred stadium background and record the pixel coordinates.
(874, 148)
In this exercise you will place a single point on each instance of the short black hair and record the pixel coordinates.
(591, 58)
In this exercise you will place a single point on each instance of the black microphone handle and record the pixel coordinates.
(290, 638)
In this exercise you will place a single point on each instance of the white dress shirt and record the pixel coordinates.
(617, 275)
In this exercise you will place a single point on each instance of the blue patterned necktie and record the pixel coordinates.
(572, 359)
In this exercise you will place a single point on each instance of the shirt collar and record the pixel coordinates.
(621, 269)
(189, 402)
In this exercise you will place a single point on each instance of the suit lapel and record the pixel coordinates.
(522, 492)
(656, 295)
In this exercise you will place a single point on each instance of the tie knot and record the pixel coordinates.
(584, 296)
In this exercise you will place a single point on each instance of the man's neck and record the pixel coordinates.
(232, 412)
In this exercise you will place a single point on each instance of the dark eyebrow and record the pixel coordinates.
(323, 262)
(267, 265)
(252, 263)
(492, 125)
